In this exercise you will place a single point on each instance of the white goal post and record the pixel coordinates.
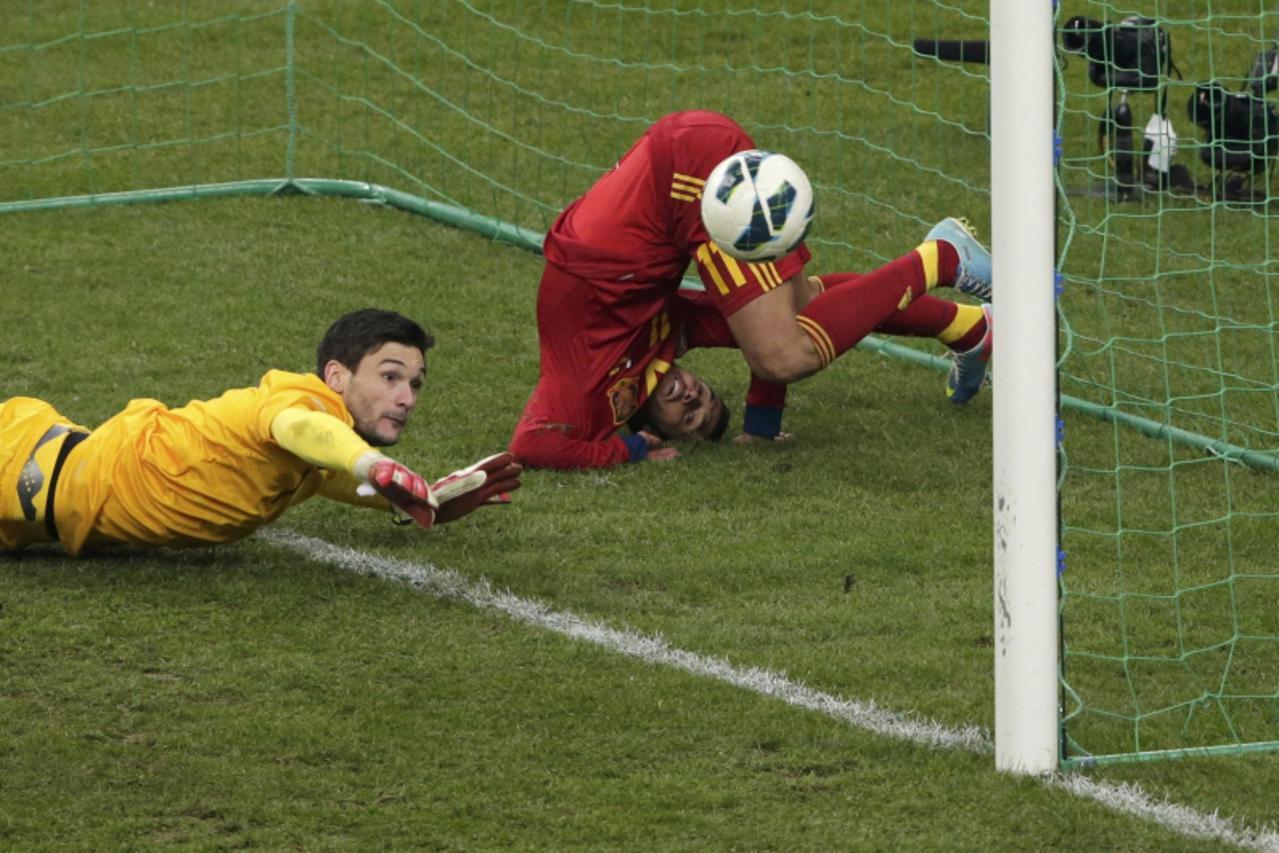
(1024, 387)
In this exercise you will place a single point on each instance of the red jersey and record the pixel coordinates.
(611, 316)
(637, 229)
(595, 375)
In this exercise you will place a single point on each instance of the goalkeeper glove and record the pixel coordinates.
(489, 481)
(405, 490)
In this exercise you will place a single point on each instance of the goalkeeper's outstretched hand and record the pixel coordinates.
(405, 490)
(489, 481)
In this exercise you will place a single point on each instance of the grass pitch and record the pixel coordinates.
(262, 696)
(249, 696)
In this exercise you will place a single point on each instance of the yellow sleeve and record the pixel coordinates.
(340, 486)
(319, 438)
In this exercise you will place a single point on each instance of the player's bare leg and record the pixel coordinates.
(782, 344)
(773, 344)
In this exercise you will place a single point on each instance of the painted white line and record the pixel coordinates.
(866, 715)
(1131, 800)
(443, 583)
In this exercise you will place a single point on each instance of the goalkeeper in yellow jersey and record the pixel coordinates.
(214, 471)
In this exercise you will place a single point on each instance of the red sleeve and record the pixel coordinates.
(551, 448)
(562, 434)
(763, 393)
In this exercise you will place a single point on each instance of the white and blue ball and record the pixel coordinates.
(757, 205)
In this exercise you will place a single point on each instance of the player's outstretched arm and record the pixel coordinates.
(551, 448)
(324, 441)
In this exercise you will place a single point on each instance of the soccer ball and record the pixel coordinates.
(757, 205)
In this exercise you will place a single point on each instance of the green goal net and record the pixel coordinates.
(1170, 582)
(507, 110)
(494, 114)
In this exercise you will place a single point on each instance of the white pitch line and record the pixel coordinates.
(443, 583)
(866, 715)
(1131, 800)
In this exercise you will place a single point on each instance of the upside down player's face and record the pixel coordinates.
(382, 391)
(682, 405)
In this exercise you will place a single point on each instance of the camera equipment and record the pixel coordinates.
(1134, 54)
(973, 50)
(1241, 130)
(1265, 73)
(1115, 138)
(1160, 147)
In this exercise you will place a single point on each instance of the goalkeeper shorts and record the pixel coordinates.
(36, 440)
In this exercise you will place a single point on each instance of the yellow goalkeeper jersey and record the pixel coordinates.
(208, 472)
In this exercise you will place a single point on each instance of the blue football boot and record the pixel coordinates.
(974, 274)
(968, 370)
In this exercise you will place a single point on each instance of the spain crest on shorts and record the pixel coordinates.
(624, 398)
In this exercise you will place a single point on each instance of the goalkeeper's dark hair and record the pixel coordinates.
(642, 420)
(359, 333)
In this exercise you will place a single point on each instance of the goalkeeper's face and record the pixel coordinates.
(382, 391)
(684, 406)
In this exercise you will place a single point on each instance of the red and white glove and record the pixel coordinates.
(405, 490)
(489, 481)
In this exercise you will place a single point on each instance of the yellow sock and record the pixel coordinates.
(928, 257)
(966, 317)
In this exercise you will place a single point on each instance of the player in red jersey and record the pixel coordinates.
(612, 318)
